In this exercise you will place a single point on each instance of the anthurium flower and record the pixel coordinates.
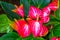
(23, 28)
(45, 14)
(19, 10)
(46, 11)
(53, 6)
(35, 27)
(34, 12)
(43, 31)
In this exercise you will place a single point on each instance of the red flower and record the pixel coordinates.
(34, 12)
(19, 11)
(46, 11)
(45, 15)
(53, 6)
(23, 28)
(35, 27)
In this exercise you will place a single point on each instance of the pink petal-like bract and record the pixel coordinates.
(23, 28)
(34, 12)
(53, 6)
(20, 11)
(46, 11)
(35, 27)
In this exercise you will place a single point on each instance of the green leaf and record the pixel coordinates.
(30, 38)
(40, 3)
(4, 24)
(56, 30)
(38, 38)
(9, 36)
(19, 38)
(35, 2)
(45, 3)
(51, 34)
(7, 7)
(21, 2)
(26, 6)
(57, 14)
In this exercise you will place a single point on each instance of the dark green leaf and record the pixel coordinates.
(45, 3)
(57, 14)
(20, 1)
(51, 34)
(7, 7)
(19, 38)
(35, 2)
(26, 6)
(56, 30)
(4, 24)
(9, 36)
(40, 3)
(30, 38)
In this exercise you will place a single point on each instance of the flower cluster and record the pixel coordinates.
(34, 21)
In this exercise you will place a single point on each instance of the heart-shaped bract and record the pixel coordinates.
(34, 12)
(45, 16)
(19, 11)
(35, 28)
(23, 28)
(53, 6)
(46, 11)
